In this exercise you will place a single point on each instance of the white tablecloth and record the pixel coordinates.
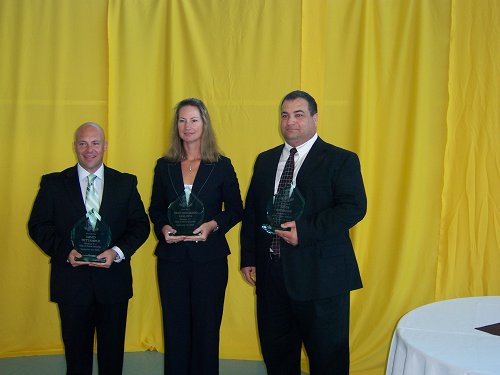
(440, 339)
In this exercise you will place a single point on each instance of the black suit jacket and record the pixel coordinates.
(323, 264)
(59, 205)
(216, 185)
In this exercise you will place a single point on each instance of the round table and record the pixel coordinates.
(441, 339)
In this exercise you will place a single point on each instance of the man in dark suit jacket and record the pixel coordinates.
(303, 288)
(92, 297)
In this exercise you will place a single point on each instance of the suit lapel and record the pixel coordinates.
(308, 168)
(175, 176)
(74, 191)
(269, 175)
(202, 176)
(108, 193)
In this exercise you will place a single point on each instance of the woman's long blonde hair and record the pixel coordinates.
(209, 149)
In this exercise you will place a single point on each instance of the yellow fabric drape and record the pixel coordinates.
(53, 76)
(411, 86)
(469, 248)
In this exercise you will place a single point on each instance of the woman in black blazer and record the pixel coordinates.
(192, 269)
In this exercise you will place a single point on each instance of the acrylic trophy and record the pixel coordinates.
(91, 239)
(186, 214)
(287, 205)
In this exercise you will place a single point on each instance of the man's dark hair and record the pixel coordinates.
(313, 107)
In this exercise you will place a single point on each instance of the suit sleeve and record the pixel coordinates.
(158, 204)
(41, 224)
(233, 205)
(348, 206)
(137, 223)
(247, 235)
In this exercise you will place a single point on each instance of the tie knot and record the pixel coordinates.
(91, 178)
(293, 151)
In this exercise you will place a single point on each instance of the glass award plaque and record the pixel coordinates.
(186, 214)
(287, 205)
(90, 240)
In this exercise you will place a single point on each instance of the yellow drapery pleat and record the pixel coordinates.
(412, 87)
(469, 252)
(53, 77)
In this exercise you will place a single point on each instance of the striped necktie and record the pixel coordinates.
(92, 200)
(285, 180)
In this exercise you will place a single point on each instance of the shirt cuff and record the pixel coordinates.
(119, 254)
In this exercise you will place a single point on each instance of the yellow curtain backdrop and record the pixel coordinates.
(53, 76)
(411, 86)
(469, 247)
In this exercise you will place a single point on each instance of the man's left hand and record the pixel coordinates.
(109, 255)
(290, 236)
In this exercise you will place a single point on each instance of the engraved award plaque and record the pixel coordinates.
(91, 239)
(186, 214)
(287, 205)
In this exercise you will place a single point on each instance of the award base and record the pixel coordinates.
(184, 233)
(270, 229)
(90, 258)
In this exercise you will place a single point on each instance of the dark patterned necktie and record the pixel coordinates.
(285, 180)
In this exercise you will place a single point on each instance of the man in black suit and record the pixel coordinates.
(92, 297)
(304, 275)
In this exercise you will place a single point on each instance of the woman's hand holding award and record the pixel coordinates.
(287, 205)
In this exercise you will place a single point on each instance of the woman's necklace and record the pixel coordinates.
(190, 164)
